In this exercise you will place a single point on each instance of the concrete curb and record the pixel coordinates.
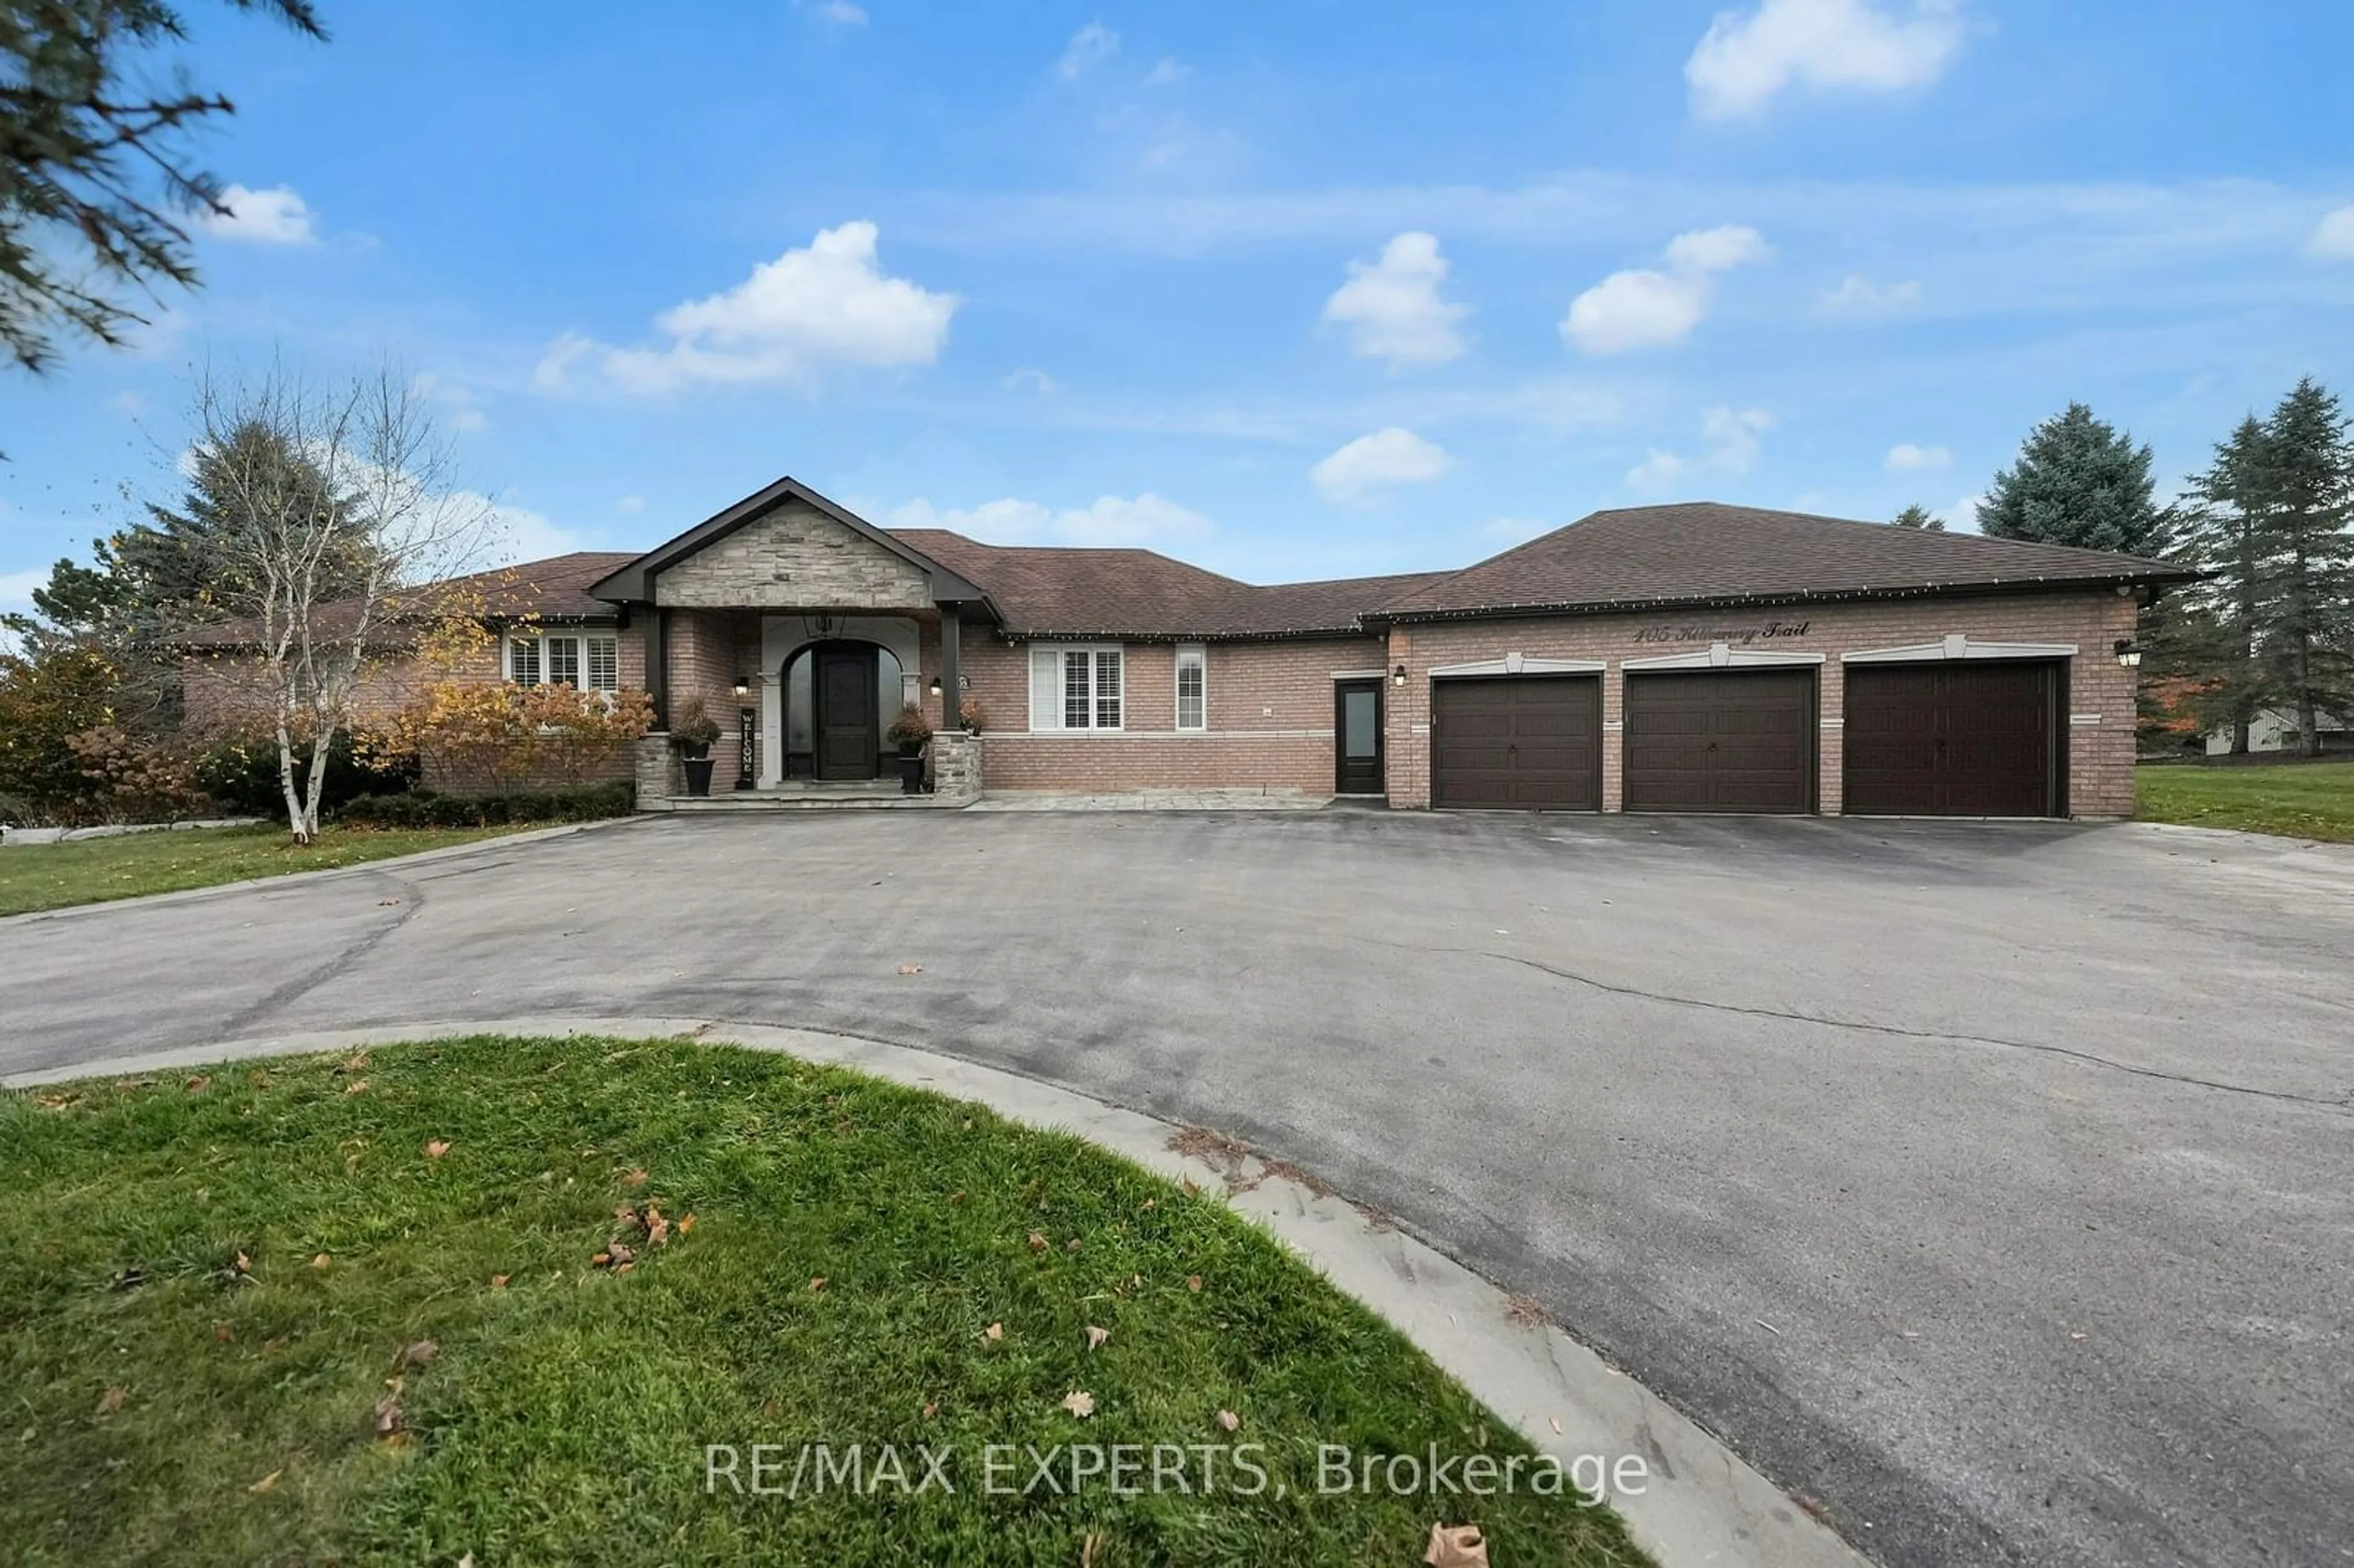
(1703, 1506)
(296, 878)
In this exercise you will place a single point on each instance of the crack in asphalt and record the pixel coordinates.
(2343, 1104)
(411, 903)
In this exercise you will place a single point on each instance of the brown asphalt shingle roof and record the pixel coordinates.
(1705, 552)
(554, 588)
(1076, 592)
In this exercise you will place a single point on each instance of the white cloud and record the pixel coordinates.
(1393, 306)
(1509, 531)
(1642, 308)
(828, 304)
(460, 406)
(1856, 294)
(1112, 520)
(17, 587)
(1730, 439)
(520, 533)
(1038, 381)
(1906, 458)
(631, 504)
(1392, 456)
(1168, 73)
(1743, 61)
(128, 404)
(1962, 516)
(2333, 238)
(1089, 48)
(275, 217)
(840, 13)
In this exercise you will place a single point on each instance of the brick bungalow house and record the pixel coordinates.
(1695, 657)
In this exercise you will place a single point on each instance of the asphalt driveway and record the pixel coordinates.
(1993, 1185)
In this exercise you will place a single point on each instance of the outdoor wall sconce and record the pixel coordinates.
(2129, 653)
(935, 687)
(743, 685)
(1397, 676)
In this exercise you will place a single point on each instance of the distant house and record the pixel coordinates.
(2275, 729)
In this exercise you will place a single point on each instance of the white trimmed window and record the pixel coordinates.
(1077, 687)
(589, 662)
(1192, 686)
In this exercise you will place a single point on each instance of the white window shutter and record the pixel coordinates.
(1046, 688)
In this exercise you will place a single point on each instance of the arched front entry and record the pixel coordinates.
(839, 694)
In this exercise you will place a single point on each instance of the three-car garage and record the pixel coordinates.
(1926, 738)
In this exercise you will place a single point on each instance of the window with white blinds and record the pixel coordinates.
(1192, 686)
(587, 662)
(1077, 686)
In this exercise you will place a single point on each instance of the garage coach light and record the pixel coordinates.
(1397, 676)
(2129, 653)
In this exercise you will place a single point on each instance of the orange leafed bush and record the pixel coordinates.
(495, 737)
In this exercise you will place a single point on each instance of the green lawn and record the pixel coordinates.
(305, 1310)
(2306, 800)
(87, 871)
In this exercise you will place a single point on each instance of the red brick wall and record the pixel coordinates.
(2100, 755)
(1269, 714)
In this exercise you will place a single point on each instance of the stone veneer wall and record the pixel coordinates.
(795, 558)
(956, 765)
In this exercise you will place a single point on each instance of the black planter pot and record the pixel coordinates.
(698, 775)
(911, 772)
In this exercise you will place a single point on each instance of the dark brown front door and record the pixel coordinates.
(1529, 742)
(1357, 738)
(848, 738)
(1721, 740)
(1953, 740)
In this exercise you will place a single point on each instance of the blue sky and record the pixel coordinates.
(1292, 290)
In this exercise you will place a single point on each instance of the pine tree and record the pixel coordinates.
(1918, 516)
(2307, 558)
(2077, 480)
(2217, 635)
(93, 168)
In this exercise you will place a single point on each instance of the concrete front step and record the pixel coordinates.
(847, 797)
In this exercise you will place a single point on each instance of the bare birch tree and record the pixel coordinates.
(325, 568)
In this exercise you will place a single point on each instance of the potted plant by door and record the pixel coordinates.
(692, 731)
(909, 731)
(972, 714)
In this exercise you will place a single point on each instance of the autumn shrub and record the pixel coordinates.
(242, 774)
(46, 699)
(428, 809)
(129, 777)
(497, 738)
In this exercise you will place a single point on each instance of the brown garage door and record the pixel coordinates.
(1527, 743)
(1953, 740)
(1721, 740)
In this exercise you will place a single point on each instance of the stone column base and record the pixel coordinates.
(657, 769)
(956, 765)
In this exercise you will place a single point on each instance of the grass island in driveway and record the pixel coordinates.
(94, 871)
(2298, 799)
(503, 1296)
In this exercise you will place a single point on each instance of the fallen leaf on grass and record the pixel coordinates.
(1037, 1242)
(1072, 1245)
(111, 1401)
(994, 1331)
(620, 1256)
(634, 1179)
(357, 1086)
(499, 1281)
(1193, 1283)
(320, 1261)
(437, 1149)
(687, 1221)
(931, 1409)
(1456, 1546)
(1079, 1402)
(1228, 1421)
(355, 1063)
(418, 1354)
(817, 1282)
(1097, 1336)
(657, 1228)
(263, 1485)
(387, 1416)
(199, 1084)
